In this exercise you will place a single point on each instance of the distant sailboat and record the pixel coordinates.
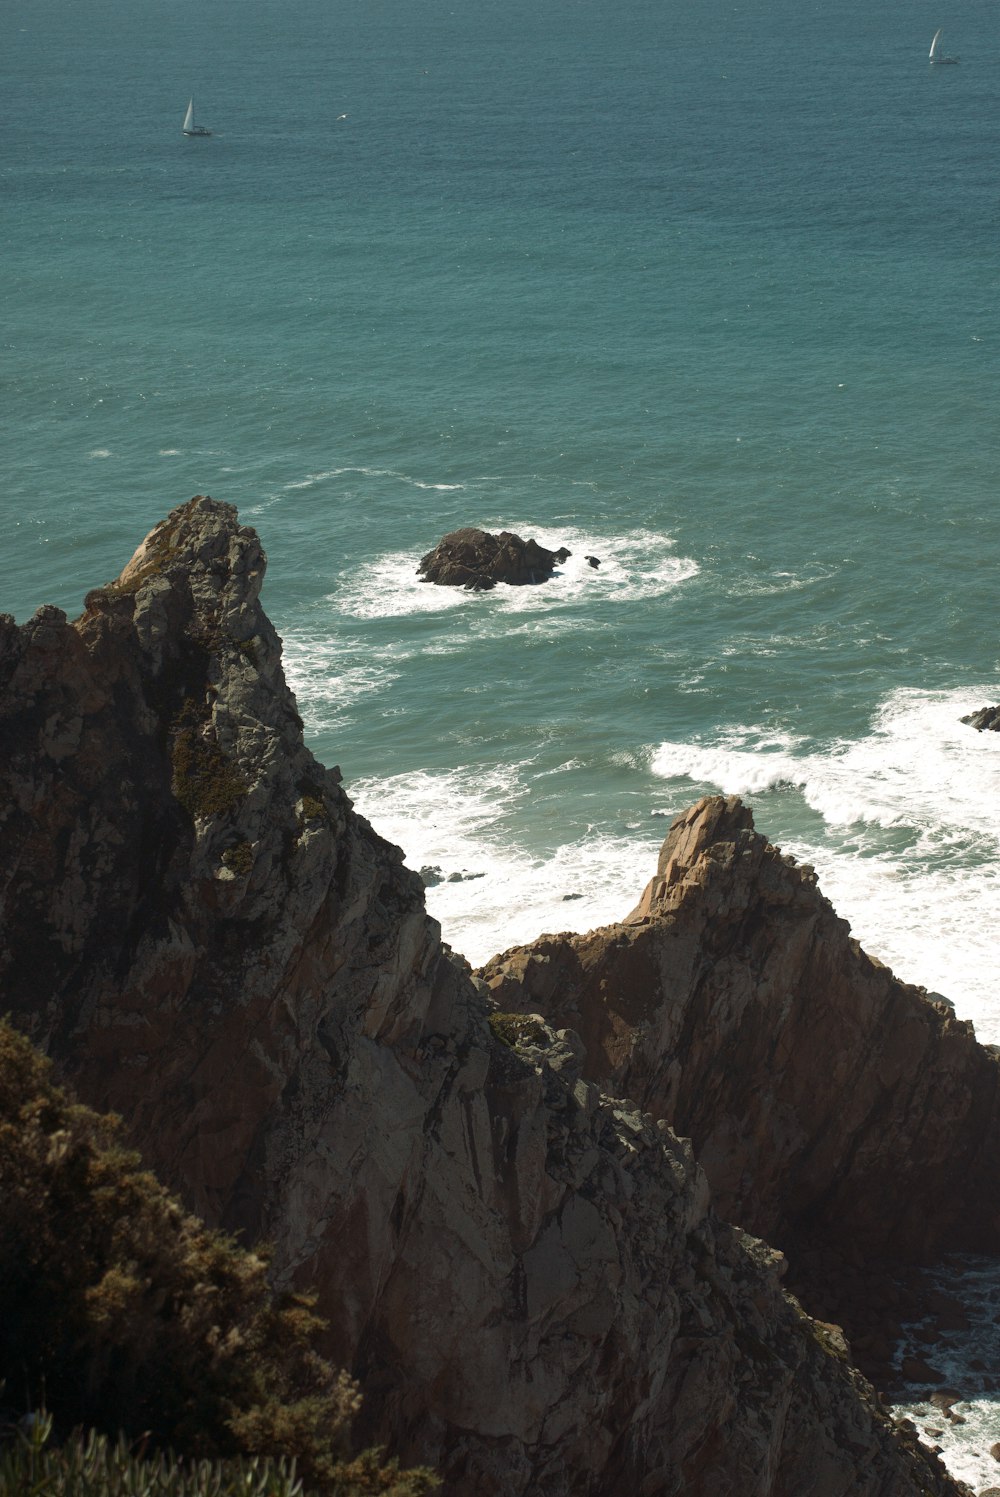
(935, 52)
(189, 127)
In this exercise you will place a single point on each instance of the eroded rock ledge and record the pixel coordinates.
(527, 1274)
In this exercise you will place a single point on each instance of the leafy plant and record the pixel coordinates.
(119, 1311)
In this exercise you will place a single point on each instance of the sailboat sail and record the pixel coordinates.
(936, 54)
(189, 127)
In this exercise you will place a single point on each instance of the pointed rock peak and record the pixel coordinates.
(201, 537)
(707, 836)
(196, 577)
(711, 820)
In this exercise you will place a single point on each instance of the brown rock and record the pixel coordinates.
(916, 1370)
(828, 1102)
(477, 560)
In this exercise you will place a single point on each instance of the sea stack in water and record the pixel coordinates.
(477, 560)
(986, 717)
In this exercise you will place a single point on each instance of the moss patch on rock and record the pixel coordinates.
(239, 858)
(204, 781)
(516, 1029)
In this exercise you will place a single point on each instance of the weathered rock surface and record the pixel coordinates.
(527, 1275)
(831, 1105)
(477, 560)
(986, 717)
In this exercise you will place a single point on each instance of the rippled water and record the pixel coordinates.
(710, 293)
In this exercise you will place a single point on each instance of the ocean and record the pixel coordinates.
(708, 292)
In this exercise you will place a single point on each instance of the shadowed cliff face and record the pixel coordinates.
(826, 1100)
(527, 1275)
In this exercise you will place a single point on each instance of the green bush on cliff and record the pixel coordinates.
(119, 1311)
(91, 1465)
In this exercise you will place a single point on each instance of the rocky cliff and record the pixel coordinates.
(831, 1106)
(528, 1275)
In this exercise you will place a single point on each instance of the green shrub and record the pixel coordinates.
(122, 1312)
(91, 1466)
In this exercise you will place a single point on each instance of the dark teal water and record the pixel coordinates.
(709, 292)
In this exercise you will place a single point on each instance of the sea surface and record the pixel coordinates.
(710, 292)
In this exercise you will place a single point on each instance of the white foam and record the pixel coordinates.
(910, 852)
(774, 582)
(324, 685)
(637, 565)
(313, 480)
(965, 1447)
(458, 822)
(99, 452)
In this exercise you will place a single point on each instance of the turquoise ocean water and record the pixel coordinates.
(708, 291)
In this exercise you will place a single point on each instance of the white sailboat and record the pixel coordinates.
(936, 55)
(189, 127)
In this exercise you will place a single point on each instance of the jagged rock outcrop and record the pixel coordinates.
(986, 717)
(477, 560)
(527, 1275)
(830, 1104)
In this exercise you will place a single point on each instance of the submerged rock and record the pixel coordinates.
(477, 560)
(986, 717)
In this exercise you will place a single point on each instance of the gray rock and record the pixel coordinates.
(986, 718)
(477, 560)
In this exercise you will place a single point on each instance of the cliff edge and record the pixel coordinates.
(526, 1273)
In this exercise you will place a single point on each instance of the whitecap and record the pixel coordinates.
(731, 768)
(327, 686)
(636, 565)
(908, 850)
(458, 821)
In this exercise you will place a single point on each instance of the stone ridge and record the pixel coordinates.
(527, 1274)
(829, 1103)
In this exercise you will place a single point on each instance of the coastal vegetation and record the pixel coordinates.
(124, 1316)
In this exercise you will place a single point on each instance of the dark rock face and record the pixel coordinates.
(527, 1274)
(477, 560)
(986, 717)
